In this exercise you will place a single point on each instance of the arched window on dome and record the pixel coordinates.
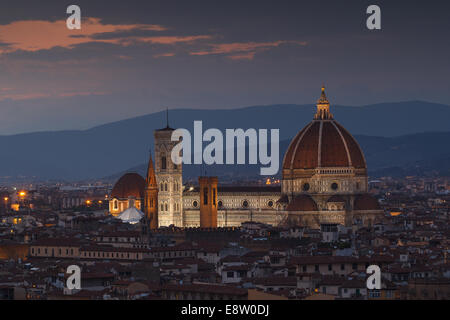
(116, 204)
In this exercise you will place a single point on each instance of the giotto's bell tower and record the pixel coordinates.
(169, 177)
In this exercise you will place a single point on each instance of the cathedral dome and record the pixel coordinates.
(366, 202)
(129, 185)
(323, 143)
(302, 202)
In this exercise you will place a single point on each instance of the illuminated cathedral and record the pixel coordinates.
(324, 180)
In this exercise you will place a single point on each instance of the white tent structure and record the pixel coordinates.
(131, 215)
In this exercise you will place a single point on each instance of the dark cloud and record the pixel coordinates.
(251, 52)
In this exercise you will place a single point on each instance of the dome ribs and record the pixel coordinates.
(287, 162)
(319, 146)
(356, 154)
(333, 152)
(305, 155)
(345, 144)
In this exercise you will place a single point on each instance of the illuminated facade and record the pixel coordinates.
(169, 178)
(128, 192)
(324, 180)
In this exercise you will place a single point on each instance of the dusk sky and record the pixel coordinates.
(138, 57)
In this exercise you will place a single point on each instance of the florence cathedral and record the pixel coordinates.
(324, 181)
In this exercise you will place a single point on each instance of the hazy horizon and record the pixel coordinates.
(312, 105)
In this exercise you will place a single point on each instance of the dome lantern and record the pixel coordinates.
(323, 107)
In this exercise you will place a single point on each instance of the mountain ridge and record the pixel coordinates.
(106, 149)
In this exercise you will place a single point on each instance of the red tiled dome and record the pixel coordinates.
(129, 185)
(323, 143)
(302, 202)
(337, 148)
(366, 202)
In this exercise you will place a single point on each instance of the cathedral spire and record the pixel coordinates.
(151, 177)
(151, 196)
(323, 107)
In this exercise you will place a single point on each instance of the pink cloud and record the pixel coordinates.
(244, 50)
(37, 95)
(23, 96)
(244, 56)
(38, 35)
(168, 54)
(172, 39)
(87, 93)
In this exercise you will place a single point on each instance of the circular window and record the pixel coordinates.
(220, 204)
(334, 186)
(270, 203)
(195, 204)
(306, 187)
(245, 204)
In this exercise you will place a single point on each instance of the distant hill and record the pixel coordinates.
(417, 154)
(111, 148)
